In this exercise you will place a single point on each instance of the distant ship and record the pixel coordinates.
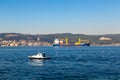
(58, 42)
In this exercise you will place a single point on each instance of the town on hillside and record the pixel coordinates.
(17, 39)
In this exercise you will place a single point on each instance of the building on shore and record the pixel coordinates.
(105, 38)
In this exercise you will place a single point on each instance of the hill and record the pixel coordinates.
(94, 39)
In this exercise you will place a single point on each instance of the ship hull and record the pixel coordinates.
(56, 44)
(83, 44)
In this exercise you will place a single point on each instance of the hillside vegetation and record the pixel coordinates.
(94, 39)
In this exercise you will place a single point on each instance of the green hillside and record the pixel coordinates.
(94, 39)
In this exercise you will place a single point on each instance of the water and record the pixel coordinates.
(67, 63)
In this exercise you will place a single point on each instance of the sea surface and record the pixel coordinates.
(66, 63)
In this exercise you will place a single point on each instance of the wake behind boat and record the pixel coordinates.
(38, 56)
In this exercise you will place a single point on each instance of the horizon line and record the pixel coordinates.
(54, 33)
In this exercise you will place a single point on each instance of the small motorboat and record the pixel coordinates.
(39, 56)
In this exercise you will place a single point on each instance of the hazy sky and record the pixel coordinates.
(60, 16)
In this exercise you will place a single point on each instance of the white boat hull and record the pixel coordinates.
(30, 57)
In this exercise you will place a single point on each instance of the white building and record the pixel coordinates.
(104, 38)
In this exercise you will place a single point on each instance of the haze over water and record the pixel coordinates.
(66, 63)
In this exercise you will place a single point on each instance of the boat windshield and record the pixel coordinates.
(43, 55)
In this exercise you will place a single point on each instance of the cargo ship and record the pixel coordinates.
(59, 42)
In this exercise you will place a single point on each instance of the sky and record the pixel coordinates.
(60, 16)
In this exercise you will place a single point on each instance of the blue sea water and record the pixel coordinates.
(66, 63)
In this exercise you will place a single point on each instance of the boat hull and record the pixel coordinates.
(82, 44)
(85, 44)
(56, 44)
(30, 57)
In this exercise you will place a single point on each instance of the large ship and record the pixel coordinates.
(64, 42)
(56, 42)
